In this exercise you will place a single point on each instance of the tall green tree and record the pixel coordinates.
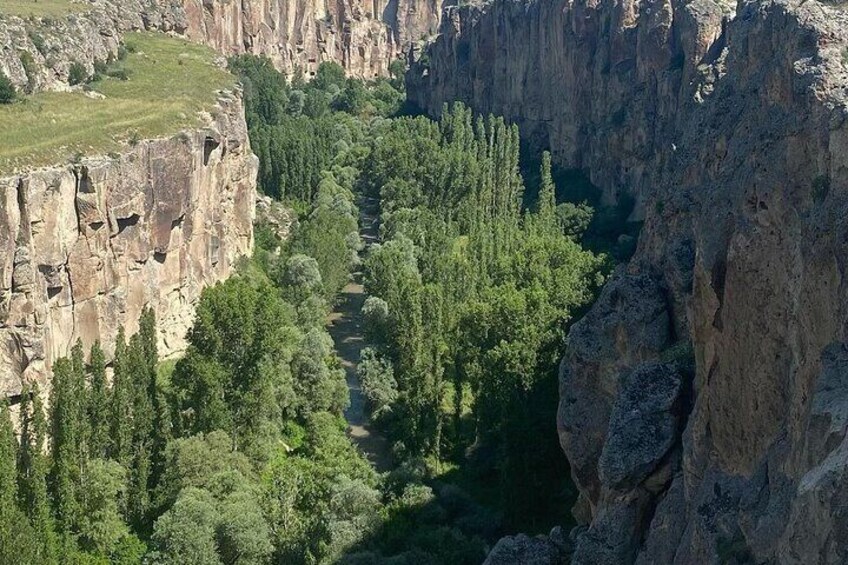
(547, 194)
(98, 402)
(33, 468)
(67, 416)
(121, 404)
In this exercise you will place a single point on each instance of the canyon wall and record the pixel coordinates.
(364, 36)
(85, 246)
(704, 397)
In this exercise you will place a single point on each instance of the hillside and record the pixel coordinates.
(160, 86)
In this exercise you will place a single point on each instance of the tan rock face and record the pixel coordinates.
(364, 36)
(731, 134)
(84, 248)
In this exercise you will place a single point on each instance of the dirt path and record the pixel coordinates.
(346, 326)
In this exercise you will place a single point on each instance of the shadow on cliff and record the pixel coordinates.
(611, 229)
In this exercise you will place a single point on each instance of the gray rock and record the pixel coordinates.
(524, 550)
(614, 536)
(643, 426)
(628, 325)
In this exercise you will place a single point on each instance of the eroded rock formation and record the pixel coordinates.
(364, 36)
(84, 247)
(728, 126)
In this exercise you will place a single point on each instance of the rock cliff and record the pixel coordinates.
(364, 36)
(703, 399)
(85, 246)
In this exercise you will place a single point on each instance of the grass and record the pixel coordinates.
(39, 8)
(169, 82)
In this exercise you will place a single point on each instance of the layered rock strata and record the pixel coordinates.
(363, 36)
(729, 129)
(84, 247)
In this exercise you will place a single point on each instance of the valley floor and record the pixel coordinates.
(346, 326)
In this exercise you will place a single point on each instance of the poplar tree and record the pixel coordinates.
(33, 468)
(98, 403)
(121, 401)
(547, 194)
(66, 418)
(9, 513)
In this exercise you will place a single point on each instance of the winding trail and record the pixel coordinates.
(346, 327)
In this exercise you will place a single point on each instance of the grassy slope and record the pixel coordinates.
(170, 81)
(38, 8)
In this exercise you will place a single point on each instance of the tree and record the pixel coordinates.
(186, 532)
(302, 276)
(101, 527)
(397, 72)
(241, 336)
(33, 468)
(329, 74)
(121, 404)
(243, 536)
(194, 461)
(547, 194)
(319, 386)
(8, 92)
(98, 403)
(378, 382)
(18, 543)
(8, 488)
(353, 98)
(376, 314)
(66, 417)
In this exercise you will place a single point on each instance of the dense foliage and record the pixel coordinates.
(474, 298)
(237, 452)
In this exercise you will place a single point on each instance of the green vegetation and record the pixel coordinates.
(8, 94)
(237, 452)
(77, 74)
(170, 81)
(477, 296)
(39, 8)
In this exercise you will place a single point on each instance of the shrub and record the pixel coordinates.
(77, 74)
(37, 41)
(29, 68)
(8, 93)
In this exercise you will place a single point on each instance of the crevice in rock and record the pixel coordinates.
(209, 145)
(124, 223)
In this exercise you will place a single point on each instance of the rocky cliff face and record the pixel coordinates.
(84, 247)
(703, 401)
(364, 36)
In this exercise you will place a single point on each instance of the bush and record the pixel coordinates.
(29, 69)
(378, 382)
(8, 93)
(77, 74)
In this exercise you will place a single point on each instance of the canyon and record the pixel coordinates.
(703, 397)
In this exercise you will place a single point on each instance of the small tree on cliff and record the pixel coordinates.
(8, 93)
